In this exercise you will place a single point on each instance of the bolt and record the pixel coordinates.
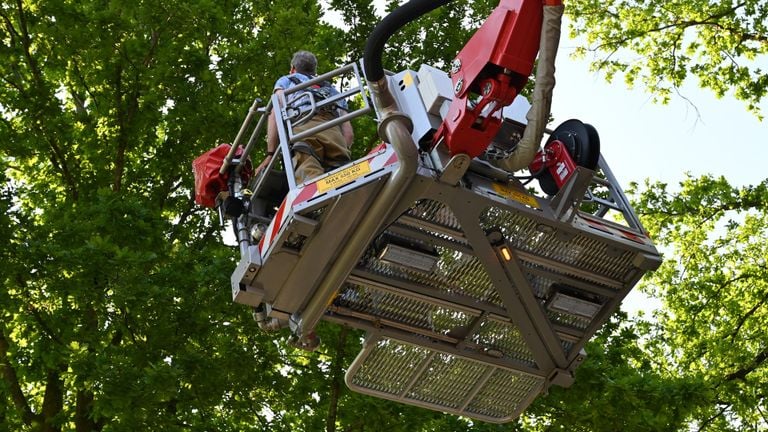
(455, 66)
(459, 86)
(487, 88)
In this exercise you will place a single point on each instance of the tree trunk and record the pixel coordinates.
(83, 420)
(336, 377)
(53, 401)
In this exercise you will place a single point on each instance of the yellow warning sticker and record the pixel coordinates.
(515, 194)
(407, 80)
(344, 176)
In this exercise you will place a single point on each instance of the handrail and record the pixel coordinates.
(231, 154)
(254, 136)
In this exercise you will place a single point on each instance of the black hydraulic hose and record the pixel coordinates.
(374, 46)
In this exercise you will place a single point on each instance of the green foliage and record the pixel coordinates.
(437, 37)
(659, 44)
(715, 290)
(114, 302)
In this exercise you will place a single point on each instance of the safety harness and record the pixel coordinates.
(320, 92)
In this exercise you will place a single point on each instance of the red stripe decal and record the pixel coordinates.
(278, 222)
(261, 245)
(306, 193)
(598, 226)
(633, 236)
(381, 146)
(392, 159)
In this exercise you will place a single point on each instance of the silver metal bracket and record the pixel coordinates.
(571, 194)
(243, 277)
(455, 169)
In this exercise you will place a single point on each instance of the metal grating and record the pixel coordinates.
(388, 367)
(397, 310)
(436, 213)
(568, 320)
(395, 300)
(399, 371)
(581, 252)
(401, 309)
(431, 386)
(504, 393)
(454, 238)
(505, 338)
(567, 345)
(572, 275)
(542, 287)
(455, 272)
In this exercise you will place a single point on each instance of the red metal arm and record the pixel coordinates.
(488, 73)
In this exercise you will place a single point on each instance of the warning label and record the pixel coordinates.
(344, 176)
(515, 194)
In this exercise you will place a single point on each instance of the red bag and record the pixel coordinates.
(208, 182)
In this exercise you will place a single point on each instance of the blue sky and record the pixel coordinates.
(641, 139)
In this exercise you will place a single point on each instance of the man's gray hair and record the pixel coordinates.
(305, 62)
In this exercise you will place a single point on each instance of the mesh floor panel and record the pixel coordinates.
(419, 316)
(581, 252)
(436, 213)
(501, 392)
(454, 273)
(460, 273)
(388, 368)
(398, 371)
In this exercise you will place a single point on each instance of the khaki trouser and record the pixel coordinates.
(329, 145)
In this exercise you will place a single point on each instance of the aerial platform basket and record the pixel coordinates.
(476, 292)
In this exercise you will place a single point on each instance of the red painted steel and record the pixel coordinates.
(491, 69)
(555, 158)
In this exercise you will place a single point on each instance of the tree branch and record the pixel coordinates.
(43, 325)
(169, 186)
(22, 285)
(713, 418)
(122, 139)
(191, 209)
(59, 160)
(125, 114)
(710, 20)
(716, 294)
(12, 381)
(762, 414)
(742, 373)
(80, 77)
(26, 43)
(22, 34)
(747, 315)
(83, 407)
(15, 85)
(11, 29)
(155, 39)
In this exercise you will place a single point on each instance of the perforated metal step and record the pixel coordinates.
(399, 371)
